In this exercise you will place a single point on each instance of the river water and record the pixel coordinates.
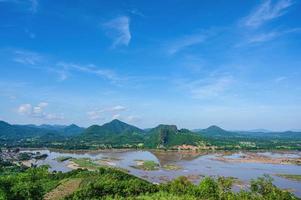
(193, 165)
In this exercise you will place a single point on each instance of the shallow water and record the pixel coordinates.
(194, 165)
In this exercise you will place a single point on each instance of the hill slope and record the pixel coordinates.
(215, 131)
(115, 132)
(169, 136)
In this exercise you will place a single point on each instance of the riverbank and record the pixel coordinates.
(252, 157)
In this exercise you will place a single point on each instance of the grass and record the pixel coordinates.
(148, 165)
(64, 189)
(294, 177)
(85, 163)
(63, 158)
(105, 158)
(172, 167)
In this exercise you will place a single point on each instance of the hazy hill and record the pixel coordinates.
(219, 133)
(13, 132)
(215, 131)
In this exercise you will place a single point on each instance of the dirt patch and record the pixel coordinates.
(64, 189)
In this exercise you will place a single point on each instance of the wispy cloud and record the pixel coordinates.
(34, 5)
(30, 34)
(264, 37)
(31, 5)
(62, 69)
(38, 111)
(280, 79)
(119, 30)
(101, 113)
(186, 41)
(90, 68)
(136, 12)
(207, 88)
(27, 57)
(267, 11)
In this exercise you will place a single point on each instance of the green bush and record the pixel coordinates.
(108, 183)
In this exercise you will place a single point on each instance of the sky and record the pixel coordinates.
(235, 64)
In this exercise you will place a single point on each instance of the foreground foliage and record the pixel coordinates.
(108, 183)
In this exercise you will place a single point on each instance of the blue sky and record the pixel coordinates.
(236, 64)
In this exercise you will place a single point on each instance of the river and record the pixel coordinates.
(193, 165)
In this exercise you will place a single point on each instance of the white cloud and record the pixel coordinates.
(118, 108)
(30, 34)
(267, 11)
(185, 42)
(38, 61)
(92, 69)
(119, 30)
(116, 116)
(280, 79)
(27, 57)
(34, 5)
(132, 118)
(43, 104)
(95, 115)
(38, 112)
(208, 88)
(54, 116)
(264, 37)
(25, 109)
(100, 114)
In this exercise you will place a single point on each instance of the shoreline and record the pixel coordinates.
(221, 155)
(120, 150)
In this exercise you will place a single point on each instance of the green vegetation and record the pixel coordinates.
(85, 163)
(148, 165)
(168, 136)
(108, 183)
(105, 158)
(294, 177)
(63, 158)
(64, 189)
(117, 134)
(230, 140)
(24, 156)
(172, 167)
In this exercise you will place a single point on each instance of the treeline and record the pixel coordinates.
(108, 183)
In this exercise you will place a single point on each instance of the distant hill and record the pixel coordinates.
(65, 130)
(261, 130)
(16, 132)
(72, 130)
(13, 132)
(271, 135)
(215, 131)
(115, 127)
(114, 132)
(169, 135)
(119, 134)
(219, 133)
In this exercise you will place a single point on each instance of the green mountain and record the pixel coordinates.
(115, 127)
(17, 132)
(169, 136)
(72, 130)
(115, 132)
(216, 132)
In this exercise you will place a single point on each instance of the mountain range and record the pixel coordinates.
(118, 133)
